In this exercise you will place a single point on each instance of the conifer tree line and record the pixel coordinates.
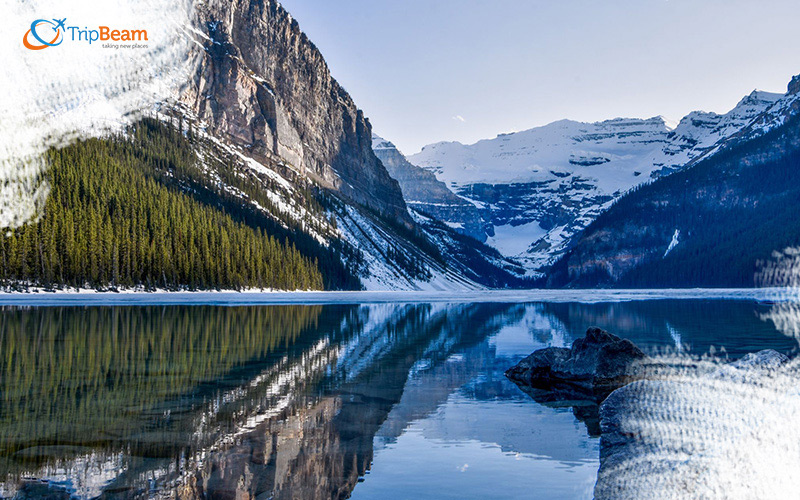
(123, 212)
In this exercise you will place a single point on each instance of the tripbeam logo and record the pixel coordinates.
(44, 34)
(40, 31)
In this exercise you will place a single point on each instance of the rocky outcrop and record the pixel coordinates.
(594, 366)
(682, 427)
(426, 194)
(262, 85)
(794, 85)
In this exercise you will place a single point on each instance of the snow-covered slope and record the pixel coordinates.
(776, 115)
(659, 235)
(308, 148)
(381, 253)
(547, 183)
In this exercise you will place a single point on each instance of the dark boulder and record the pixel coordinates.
(594, 366)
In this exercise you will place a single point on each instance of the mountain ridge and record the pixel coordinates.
(274, 156)
(424, 193)
(264, 91)
(552, 181)
(264, 142)
(713, 224)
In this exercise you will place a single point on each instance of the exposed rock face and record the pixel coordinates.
(264, 91)
(794, 85)
(263, 85)
(594, 366)
(423, 192)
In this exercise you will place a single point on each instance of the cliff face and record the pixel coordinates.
(424, 192)
(261, 84)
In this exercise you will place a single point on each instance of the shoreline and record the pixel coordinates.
(235, 298)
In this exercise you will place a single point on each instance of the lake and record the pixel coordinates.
(317, 401)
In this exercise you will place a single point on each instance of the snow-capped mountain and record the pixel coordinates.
(538, 188)
(258, 174)
(268, 165)
(728, 220)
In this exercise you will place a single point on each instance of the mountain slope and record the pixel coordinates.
(135, 211)
(259, 174)
(264, 92)
(708, 225)
(539, 188)
(262, 85)
(423, 192)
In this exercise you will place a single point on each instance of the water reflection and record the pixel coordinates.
(398, 401)
(697, 326)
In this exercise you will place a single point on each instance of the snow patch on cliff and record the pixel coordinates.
(674, 242)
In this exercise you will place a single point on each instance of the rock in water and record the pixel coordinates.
(594, 366)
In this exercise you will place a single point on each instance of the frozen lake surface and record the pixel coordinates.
(91, 297)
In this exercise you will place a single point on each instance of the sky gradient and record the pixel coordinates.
(432, 70)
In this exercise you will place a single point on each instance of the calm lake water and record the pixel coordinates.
(322, 401)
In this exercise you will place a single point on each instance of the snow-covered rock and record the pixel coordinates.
(552, 181)
(424, 193)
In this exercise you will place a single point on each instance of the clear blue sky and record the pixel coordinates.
(431, 70)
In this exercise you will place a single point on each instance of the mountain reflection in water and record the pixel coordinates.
(390, 401)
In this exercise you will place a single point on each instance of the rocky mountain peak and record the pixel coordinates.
(547, 183)
(794, 85)
(427, 195)
(379, 142)
(261, 84)
(757, 97)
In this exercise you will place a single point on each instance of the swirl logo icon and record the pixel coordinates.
(36, 38)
